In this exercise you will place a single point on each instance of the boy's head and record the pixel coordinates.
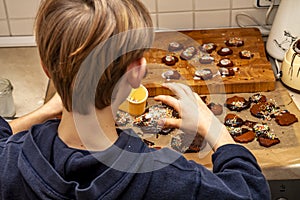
(68, 30)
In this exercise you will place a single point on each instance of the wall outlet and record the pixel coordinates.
(265, 3)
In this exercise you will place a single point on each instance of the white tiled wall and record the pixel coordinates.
(17, 16)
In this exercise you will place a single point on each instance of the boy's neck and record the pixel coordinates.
(95, 133)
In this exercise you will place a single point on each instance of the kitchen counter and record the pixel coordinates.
(22, 67)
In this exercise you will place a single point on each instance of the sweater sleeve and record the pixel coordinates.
(236, 175)
(5, 130)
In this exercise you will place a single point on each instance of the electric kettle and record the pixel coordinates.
(290, 67)
(285, 29)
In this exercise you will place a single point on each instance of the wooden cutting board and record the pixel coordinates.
(254, 75)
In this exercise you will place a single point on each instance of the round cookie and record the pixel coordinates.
(234, 42)
(208, 47)
(188, 53)
(206, 59)
(225, 51)
(204, 74)
(171, 74)
(169, 60)
(175, 46)
(217, 109)
(232, 120)
(225, 62)
(245, 54)
(226, 71)
(237, 103)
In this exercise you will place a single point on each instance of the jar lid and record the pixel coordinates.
(5, 86)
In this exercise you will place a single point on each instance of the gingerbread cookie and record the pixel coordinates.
(245, 54)
(237, 103)
(225, 51)
(246, 137)
(234, 42)
(265, 141)
(169, 60)
(257, 98)
(175, 46)
(264, 110)
(187, 143)
(188, 53)
(285, 118)
(225, 62)
(208, 47)
(217, 109)
(232, 120)
(148, 122)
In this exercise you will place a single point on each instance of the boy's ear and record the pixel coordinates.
(136, 72)
(45, 70)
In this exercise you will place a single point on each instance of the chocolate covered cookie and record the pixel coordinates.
(169, 60)
(208, 47)
(226, 71)
(232, 120)
(264, 110)
(171, 74)
(225, 51)
(187, 143)
(206, 59)
(204, 74)
(188, 53)
(237, 103)
(175, 46)
(267, 142)
(148, 122)
(257, 98)
(245, 54)
(225, 62)
(234, 42)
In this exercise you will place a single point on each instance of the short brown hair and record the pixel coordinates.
(68, 30)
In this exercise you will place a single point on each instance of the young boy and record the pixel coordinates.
(93, 52)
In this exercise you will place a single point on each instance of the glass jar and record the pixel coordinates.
(7, 106)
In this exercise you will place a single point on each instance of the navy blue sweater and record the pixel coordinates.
(36, 164)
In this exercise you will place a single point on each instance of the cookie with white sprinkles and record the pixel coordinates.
(234, 42)
(208, 47)
(175, 46)
(188, 53)
(237, 103)
(225, 51)
(225, 62)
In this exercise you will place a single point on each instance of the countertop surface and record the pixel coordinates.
(22, 67)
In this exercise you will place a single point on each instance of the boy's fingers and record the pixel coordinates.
(171, 101)
(170, 123)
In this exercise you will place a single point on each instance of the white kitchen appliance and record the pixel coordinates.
(285, 28)
(290, 67)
